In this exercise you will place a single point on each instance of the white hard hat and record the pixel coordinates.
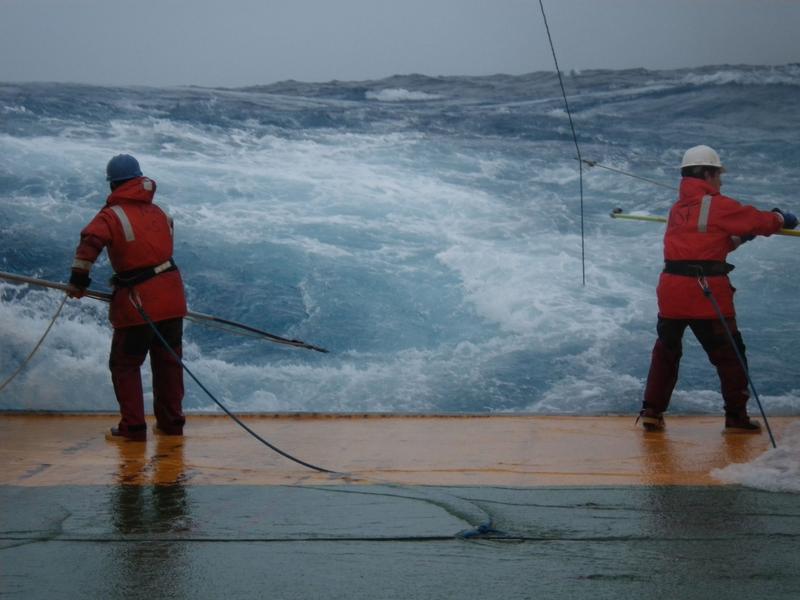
(702, 156)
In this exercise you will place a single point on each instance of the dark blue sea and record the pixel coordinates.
(426, 230)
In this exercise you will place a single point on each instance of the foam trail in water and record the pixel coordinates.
(425, 230)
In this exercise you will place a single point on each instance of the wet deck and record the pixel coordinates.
(466, 507)
(483, 451)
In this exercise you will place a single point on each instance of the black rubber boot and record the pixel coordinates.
(139, 434)
(651, 421)
(741, 423)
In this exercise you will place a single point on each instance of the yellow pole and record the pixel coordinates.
(618, 214)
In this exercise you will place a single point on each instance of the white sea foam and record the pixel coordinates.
(442, 268)
(787, 75)
(777, 470)
(70, 371)
(399, 95)
(526, 284)
(13, 109)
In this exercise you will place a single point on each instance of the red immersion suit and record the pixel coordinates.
(139, 238)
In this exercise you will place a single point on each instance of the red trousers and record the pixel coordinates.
(129, 348)
(666, 359)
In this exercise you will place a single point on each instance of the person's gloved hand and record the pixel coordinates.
(789, 220)
(73, 291)
(738, 240)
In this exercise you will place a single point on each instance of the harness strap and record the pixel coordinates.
(128, 279)
(697, 268)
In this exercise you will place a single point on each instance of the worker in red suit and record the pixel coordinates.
(703, 227)
(138, 235)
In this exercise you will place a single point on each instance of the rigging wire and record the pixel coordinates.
(594, 163)
(574, 138)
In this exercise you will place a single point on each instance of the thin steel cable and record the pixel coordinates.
(574, 138)
(36, 348)
(707, 292)
(594, 163)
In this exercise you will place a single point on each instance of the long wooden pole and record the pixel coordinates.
(194, 316)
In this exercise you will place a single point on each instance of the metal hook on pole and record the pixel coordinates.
(594, 163)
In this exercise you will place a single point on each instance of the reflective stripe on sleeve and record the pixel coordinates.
(84, 265)
(705, 208)
(169, 219)
(126, 224)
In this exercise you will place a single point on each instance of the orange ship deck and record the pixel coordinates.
(422, 507)
(522, 451)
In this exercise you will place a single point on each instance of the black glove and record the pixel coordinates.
(73, 291)
(79, 281)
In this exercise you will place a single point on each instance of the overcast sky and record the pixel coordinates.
(245, 42)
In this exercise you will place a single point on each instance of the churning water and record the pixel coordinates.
(426, 230)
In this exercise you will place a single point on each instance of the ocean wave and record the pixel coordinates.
(433, 245)
(400, 95)
(10, 109)
(784, 75)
